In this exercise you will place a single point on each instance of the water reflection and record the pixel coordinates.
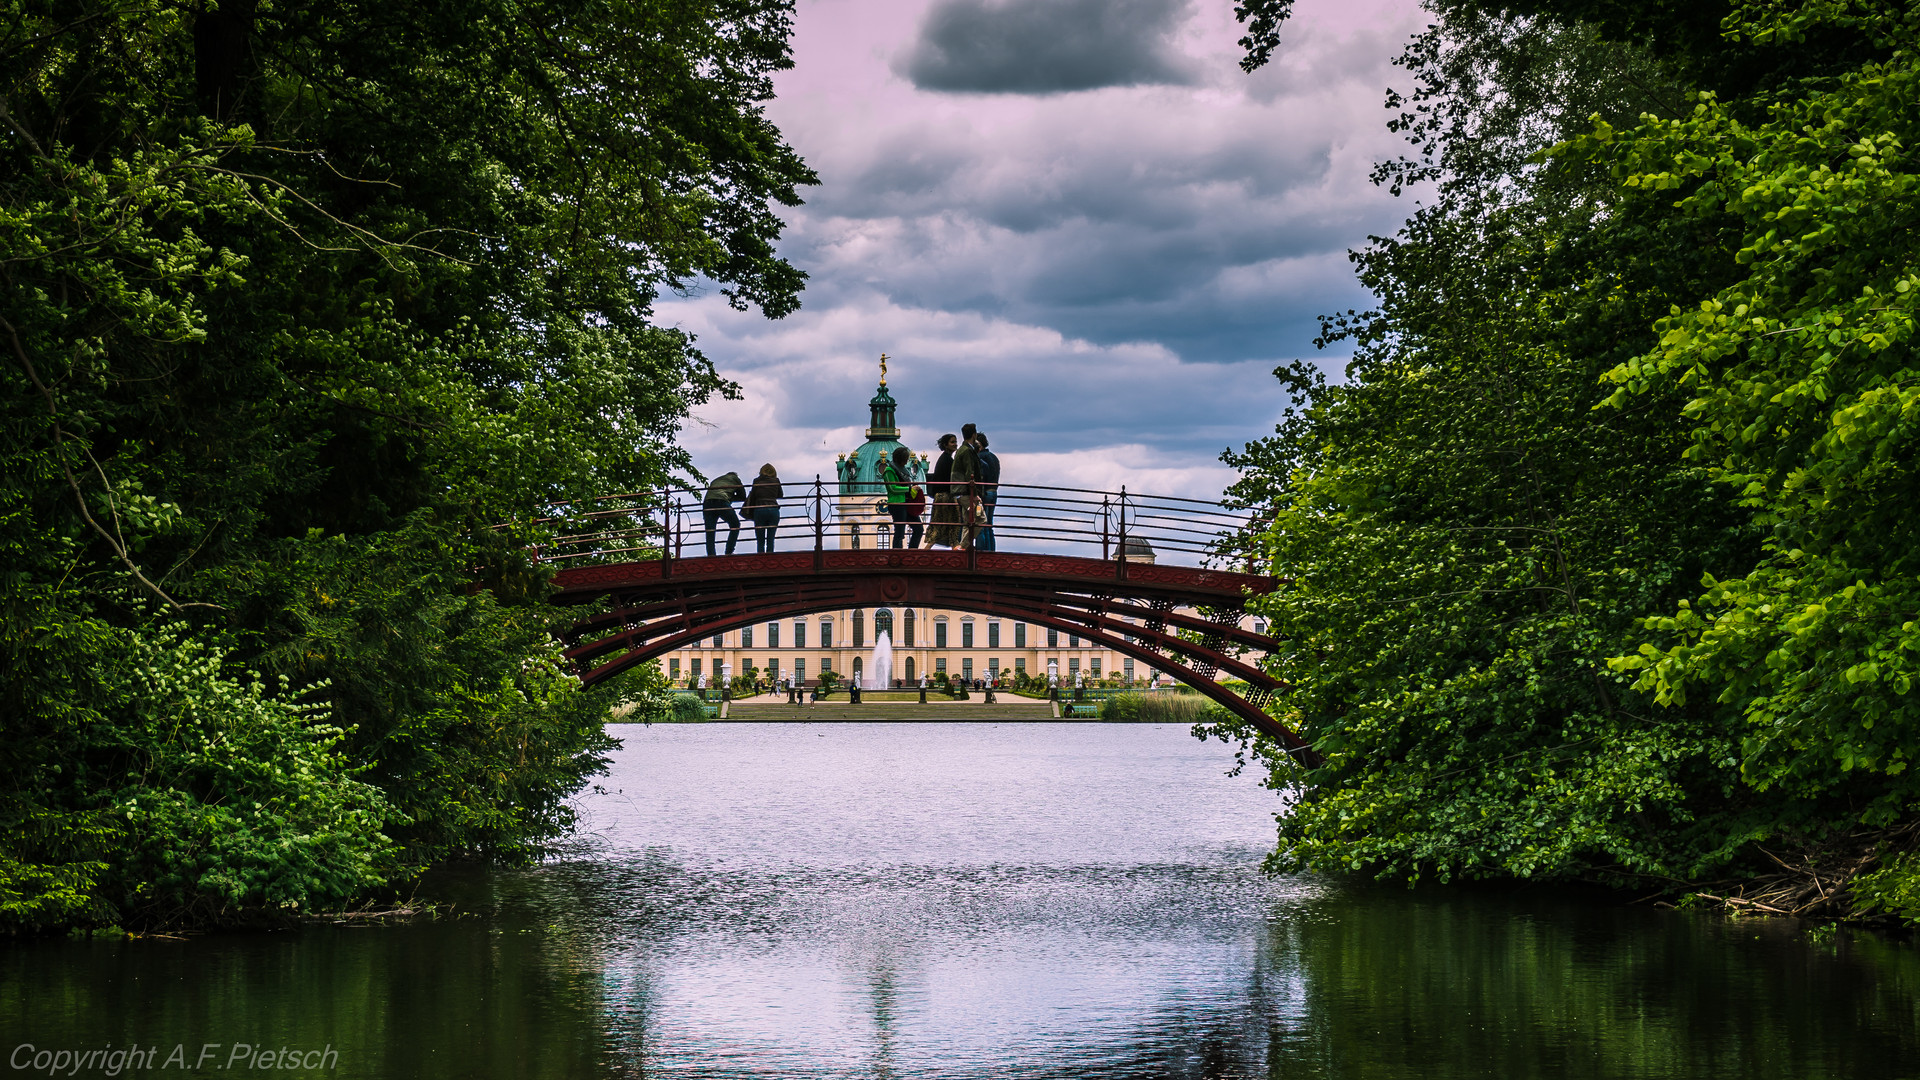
(975, 901)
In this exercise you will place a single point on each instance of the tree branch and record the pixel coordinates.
(79, 497)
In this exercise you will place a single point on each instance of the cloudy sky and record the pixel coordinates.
(1075, 223)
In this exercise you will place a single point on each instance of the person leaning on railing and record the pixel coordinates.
(717, 506)
(763, 505)
(904, 500)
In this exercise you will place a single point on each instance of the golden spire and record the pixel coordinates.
(883, 369)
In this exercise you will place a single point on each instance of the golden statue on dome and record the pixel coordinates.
(883, 369)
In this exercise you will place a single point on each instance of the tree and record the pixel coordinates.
(301, 302)
(1720, 232)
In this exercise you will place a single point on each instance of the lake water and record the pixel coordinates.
(971, 900)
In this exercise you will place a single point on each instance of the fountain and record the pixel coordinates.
(882, 670)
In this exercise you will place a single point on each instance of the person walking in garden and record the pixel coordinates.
(717, 506)
(989, 491)
(945, 529)
(763, 505)
(904, 500)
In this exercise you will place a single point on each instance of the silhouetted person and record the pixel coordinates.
(763, 505)
(989, 492)
(725, 490)
(945, 531)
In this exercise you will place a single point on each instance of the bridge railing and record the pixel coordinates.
(1111, 525)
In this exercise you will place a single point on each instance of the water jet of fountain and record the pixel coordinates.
(882, 667)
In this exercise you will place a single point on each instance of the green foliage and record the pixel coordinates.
(1159, 708)
(1645, 336)
(1894, 888)
(301, 302)
(1798, 381)
(687, 709)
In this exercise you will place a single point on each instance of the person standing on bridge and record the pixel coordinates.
(904, 502)
(725, 490)
(989, 491)
(945, 529)
(763, 505)
(966, 487)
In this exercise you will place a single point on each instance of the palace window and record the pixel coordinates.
(883, 623)
(773, 669)
(799, 633)
(696, 669)
(799, 669)
(993, 666)
(1073, 641)
(1095, 662)
(673, 669)
(1073, 666)
(940, 632)
(826, 664)
(746, 637)
(911, 677)
(719, 641)
(906, 630)
(773, 635)
(882, 538)
(993, 635)
(826, 633)
(940, 663)
(859, 629)
(966, 668)
(1127, 665)
(858, 669)
(1019, 635)
(1019, 665)
(1259, 626)
(1053, 638)
(966, 634)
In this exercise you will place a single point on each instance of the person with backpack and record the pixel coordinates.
(904, 500)
(763, 505)
(717, 506)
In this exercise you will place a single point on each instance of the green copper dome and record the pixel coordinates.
(860, 470)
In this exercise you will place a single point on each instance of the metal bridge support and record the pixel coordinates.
(1129, 609)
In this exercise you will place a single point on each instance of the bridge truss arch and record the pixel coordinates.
(658, 606)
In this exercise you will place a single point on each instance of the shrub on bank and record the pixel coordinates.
(1156, 708)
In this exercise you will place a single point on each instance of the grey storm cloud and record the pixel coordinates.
(1046, 46)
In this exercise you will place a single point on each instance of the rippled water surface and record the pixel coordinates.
(975, 900)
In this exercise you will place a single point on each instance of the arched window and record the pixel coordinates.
(939, 631)
(911, 677)
(859, 629)
(858, 669)
(966, 632)
(882, 623)
(906, 631)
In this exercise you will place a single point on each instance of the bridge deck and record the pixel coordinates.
(893, 573)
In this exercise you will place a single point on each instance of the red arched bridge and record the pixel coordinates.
(627, 556)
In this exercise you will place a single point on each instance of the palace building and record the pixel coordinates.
(925, 641)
